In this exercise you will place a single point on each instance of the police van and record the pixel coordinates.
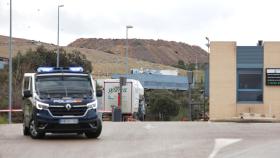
(60, 100)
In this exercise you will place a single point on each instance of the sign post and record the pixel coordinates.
(122, 83)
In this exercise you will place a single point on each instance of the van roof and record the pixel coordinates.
(55, 74)
(61, 73)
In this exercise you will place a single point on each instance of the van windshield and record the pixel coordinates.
(49, 87)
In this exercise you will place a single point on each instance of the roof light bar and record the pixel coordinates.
(59, 69)
(76, 69)
(45, 69)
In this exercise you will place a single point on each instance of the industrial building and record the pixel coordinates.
(3, 62)
(244, 79)
(158, 81)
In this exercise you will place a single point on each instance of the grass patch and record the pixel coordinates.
(3, 120)
(181, 115)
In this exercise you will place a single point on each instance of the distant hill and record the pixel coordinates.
(104, 64)
(19, 44)
(155, 51)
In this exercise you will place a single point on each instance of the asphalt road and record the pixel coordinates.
(150, 139)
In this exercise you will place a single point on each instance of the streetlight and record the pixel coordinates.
(57, 56)
(10, 66)
(126, 50)
(208, 44)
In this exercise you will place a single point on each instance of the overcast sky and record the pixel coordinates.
(190, 21)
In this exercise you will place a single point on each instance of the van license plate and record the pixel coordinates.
(68, 121)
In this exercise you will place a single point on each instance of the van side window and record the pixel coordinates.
(26, 84)
(30, 85)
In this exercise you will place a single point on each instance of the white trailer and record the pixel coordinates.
(132, 95)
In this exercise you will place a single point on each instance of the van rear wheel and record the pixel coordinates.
(25, 131)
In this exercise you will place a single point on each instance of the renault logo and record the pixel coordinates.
(68, 107)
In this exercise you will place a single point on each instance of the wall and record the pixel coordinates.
(271, 93)
(222, 80)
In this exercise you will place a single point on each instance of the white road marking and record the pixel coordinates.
(221, 143)
(148, 126)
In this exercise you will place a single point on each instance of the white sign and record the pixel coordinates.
(272, 71)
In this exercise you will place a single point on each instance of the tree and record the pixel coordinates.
(3, 87)
(190, 66)
(162, 105)
(181, 64)
(30, 61)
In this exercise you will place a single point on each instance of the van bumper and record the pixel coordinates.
(47, 123)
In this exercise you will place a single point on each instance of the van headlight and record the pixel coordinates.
(92, 105)
(40, 105)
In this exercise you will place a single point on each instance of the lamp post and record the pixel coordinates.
(57, 56)
(126, 50)
(208, 44)
(10, 66)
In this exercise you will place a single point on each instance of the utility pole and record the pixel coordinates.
(10, 67)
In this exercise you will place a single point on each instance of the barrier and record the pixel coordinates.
(8, 110)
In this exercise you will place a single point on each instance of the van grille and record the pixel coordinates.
(62, 111)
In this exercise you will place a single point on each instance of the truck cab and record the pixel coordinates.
(60, 100)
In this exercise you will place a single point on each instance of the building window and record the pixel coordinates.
(250, 81)
(250, 85)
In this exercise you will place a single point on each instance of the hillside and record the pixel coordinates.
(155, 51)
(104, 64)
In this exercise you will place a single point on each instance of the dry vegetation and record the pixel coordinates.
(104, 64)
(155, 51)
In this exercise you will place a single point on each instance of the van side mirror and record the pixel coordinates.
(27, 94)
(99, 93)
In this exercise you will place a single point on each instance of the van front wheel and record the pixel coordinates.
(33, 131)
(97, 132)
